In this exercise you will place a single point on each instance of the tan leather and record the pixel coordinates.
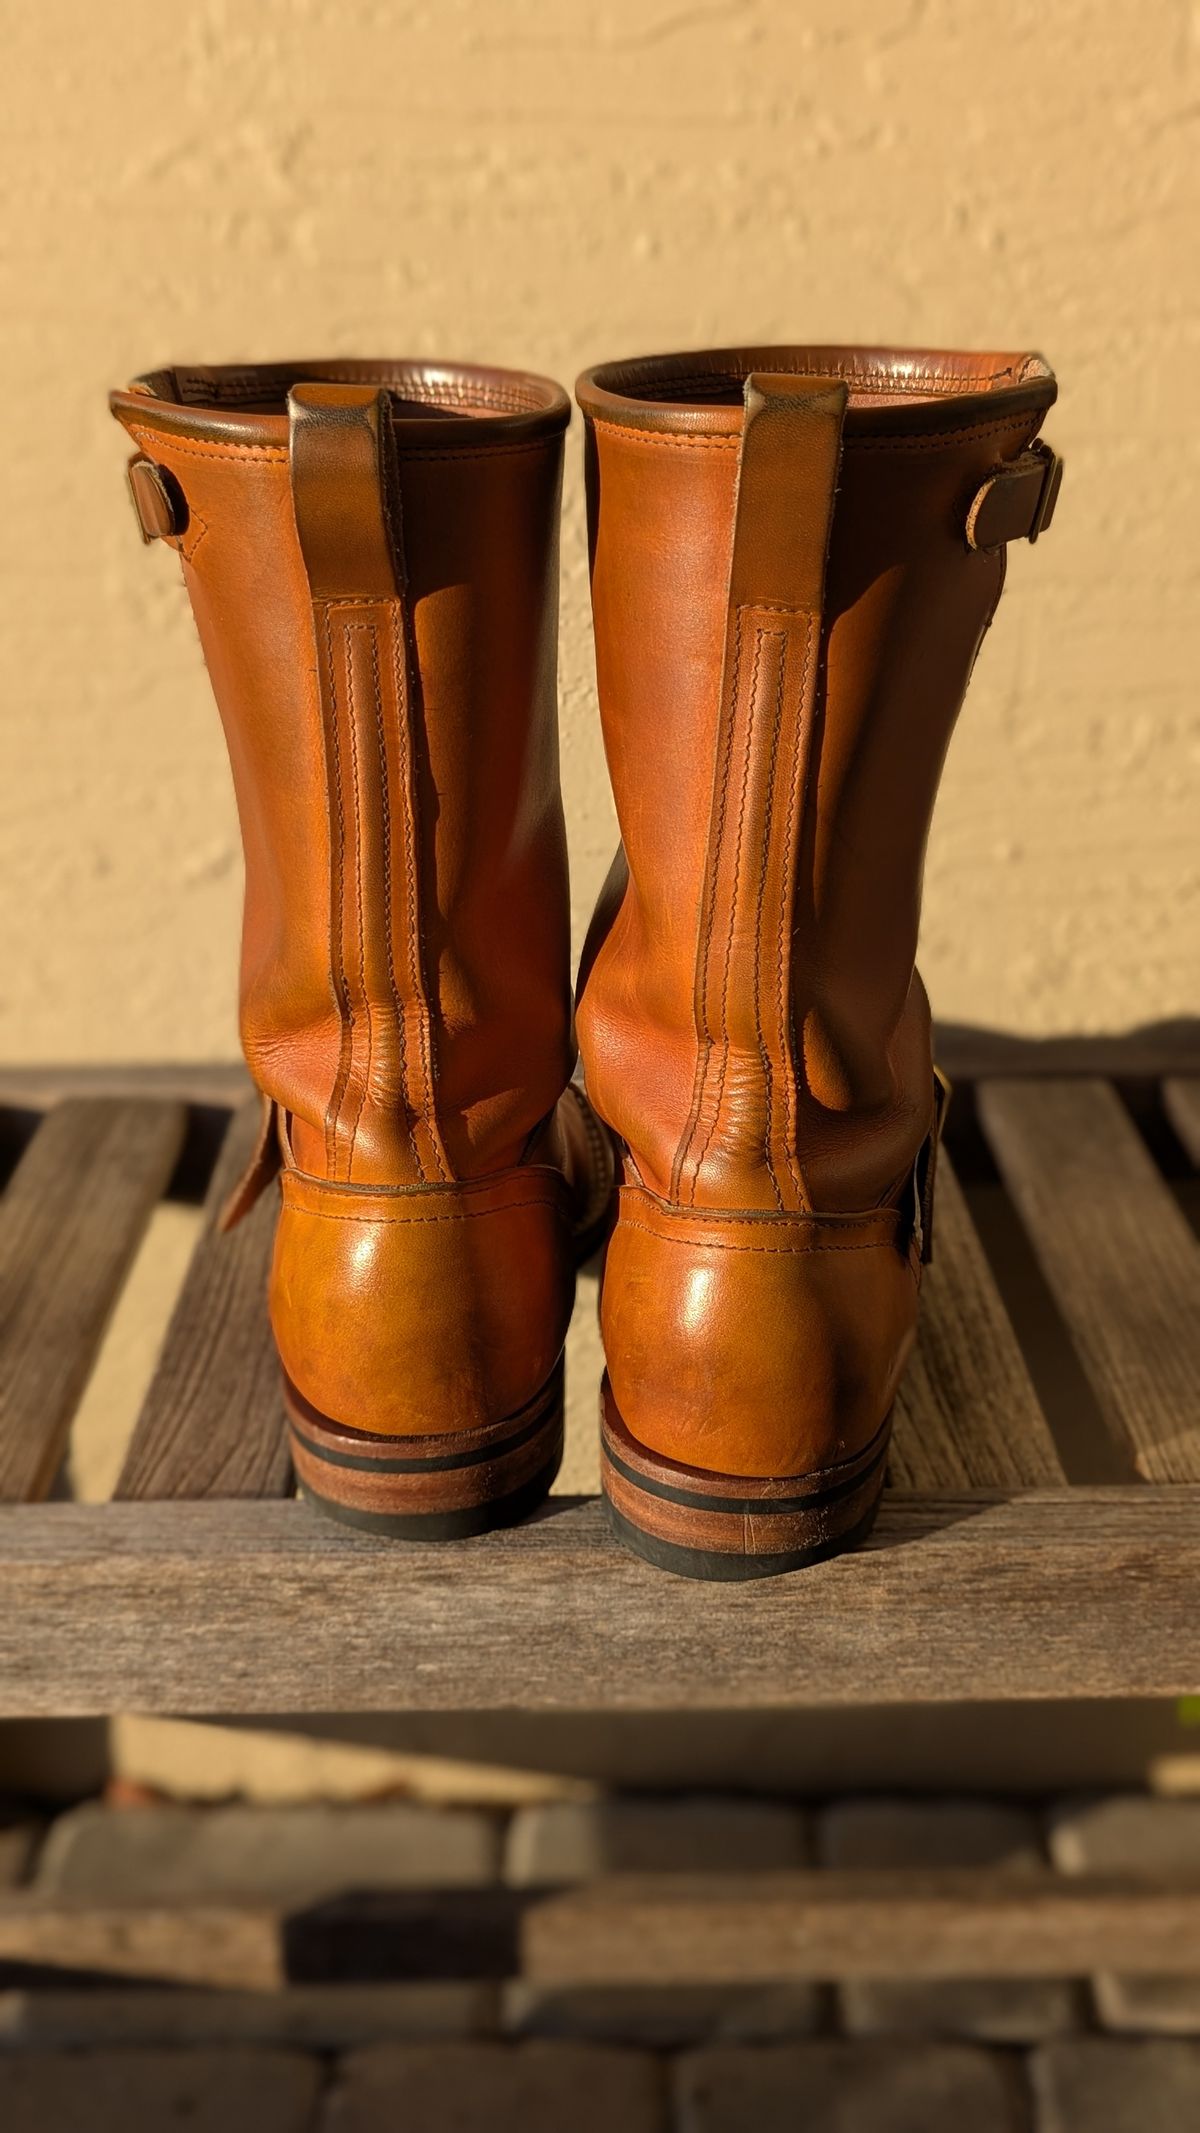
(787, 609)
(409, 1308)
(371, 553)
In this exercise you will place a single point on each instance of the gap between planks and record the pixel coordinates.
(967, 1415)
(212, 1422)
(71, 1220)
(1119, 1256)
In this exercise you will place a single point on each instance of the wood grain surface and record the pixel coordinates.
(1120, 1258)
(251, 1607)
(212, 1423)
(967, 1415)
(646, 1929)
(71, 1220)
(719, 1929)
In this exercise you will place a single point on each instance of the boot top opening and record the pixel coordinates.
(705, 389)
(429, 400)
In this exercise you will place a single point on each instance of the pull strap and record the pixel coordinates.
(1016, 502)
(340, 481)
(744, 1096)
(345, 495)
(262, 1168)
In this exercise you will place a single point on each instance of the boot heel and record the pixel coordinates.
(729, 1527)
(434, 1488)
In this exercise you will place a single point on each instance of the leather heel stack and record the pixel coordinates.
(727, 1528)
(434, 1488)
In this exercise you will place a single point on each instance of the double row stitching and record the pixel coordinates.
(415, 942)
(718, 837)
(364, 987)
(779, 1251)
(337, 976)
(200, 447)
(763, 1051)
(747, 753)
(388, 924)
(786, 1032)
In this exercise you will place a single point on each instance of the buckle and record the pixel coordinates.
(158, 500)
(1051, 484)
(924, 1173)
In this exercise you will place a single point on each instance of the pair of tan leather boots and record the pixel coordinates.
(795, 553)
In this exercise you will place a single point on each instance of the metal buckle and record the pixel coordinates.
(1048, 495)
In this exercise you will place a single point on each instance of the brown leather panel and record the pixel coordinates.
(416, 1313)
(765, 1345)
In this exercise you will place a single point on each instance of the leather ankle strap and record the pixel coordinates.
(1016, 502)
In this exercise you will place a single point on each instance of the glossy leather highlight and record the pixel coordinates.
(407, 1313)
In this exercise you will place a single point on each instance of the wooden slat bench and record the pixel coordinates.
(644, 1929)
(1040, 1535)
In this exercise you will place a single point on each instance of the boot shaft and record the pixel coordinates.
(795, 554)
(371, 553)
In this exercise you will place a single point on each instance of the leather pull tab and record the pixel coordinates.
(343, 493)
(787, 471)
(264, 1166)
(787, 477)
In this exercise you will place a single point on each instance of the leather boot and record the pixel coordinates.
(795, 554)
(371, 553)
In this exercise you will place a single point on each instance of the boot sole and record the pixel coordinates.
(725, 1528)
(435, 1488)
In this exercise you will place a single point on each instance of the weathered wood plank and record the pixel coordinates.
(710, 1929)
(967, 1415)
(972, 1054)
(226, 1946)
(1181, 1095)
(212, 1421)
(70, 1222)
(221, 1084)
(1119, 1256)
(251, 1607)
(725, 1929)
